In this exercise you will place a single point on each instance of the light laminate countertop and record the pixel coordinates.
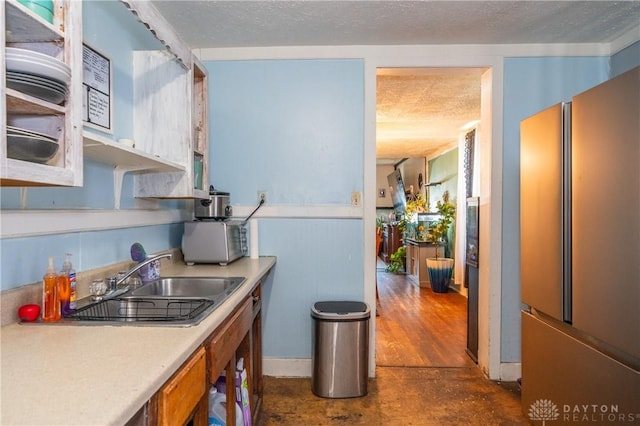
(102, 375)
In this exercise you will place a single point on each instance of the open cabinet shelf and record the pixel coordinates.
(62, 39)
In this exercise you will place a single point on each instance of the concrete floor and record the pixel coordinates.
(398, 396)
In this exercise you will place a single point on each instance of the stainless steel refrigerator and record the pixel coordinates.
(580, 257)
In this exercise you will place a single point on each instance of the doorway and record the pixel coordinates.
(422, 115)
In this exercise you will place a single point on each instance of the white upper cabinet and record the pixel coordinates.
(170, 159)
(32, 95)
(170, 122)
(170, 112)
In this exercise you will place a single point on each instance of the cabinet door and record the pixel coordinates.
(227, 338)
(181, 395)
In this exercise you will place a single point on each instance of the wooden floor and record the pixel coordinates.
(423, 375)
(419, 328)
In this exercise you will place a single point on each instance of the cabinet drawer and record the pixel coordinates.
(225, 340)
(181, 394)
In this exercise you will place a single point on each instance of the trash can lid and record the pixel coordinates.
(340, 310)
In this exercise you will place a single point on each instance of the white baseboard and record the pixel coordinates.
(286, 367)
(301, 367)
(510, 371)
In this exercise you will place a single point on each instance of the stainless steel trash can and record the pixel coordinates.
(340, 349)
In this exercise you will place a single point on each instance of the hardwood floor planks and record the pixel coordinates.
(419, 328)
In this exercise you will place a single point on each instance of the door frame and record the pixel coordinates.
(490, 142)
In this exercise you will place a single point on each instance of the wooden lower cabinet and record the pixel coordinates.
(184, 399)
(239, 337)
(256, 383)
(391, 241)
(179, 400)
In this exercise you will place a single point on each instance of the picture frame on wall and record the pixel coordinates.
(97, 88)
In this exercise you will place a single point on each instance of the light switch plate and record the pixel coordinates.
(356, 199)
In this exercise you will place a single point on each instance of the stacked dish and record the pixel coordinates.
(37, 74)
(27, 145)
(46, 89)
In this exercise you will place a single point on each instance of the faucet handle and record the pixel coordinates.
(112, 283)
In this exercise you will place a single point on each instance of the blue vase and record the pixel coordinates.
(440, 272)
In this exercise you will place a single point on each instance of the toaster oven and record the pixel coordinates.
(219, 242)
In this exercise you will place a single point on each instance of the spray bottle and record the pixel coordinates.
(50, 297)
(71, 273)
(67, 286)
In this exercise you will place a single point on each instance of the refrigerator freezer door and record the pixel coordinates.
(606, 212)
(575, 378)
(541, 211)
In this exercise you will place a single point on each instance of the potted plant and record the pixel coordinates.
(440, 269)
(397, 260)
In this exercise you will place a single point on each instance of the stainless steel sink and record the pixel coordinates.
(168, 301)
(204, 287)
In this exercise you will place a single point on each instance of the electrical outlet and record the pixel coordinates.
(262, 195)
(356, 199)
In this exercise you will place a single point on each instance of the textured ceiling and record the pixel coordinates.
(253, 23)
(420, 110)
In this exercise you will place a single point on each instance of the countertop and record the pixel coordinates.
(421, 243)
(102, 375)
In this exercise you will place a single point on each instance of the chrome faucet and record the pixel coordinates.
(114, 291)
(141, 265)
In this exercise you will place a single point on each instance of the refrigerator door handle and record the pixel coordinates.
(566, 215)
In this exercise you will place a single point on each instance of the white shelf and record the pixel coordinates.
(21, 103)
(107, 151)
(25, 26)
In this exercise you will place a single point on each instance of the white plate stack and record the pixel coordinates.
(37, 74)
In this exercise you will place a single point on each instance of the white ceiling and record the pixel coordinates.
(422, 110)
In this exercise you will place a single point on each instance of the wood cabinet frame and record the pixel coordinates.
(239, 336)
(185, 397)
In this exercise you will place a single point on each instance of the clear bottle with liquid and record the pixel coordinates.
(50, 296)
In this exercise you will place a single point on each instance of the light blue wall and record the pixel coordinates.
(530, 85)
(113, 30)
(444, 168)
(318, 259)
(294, 129)
(24, 260)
